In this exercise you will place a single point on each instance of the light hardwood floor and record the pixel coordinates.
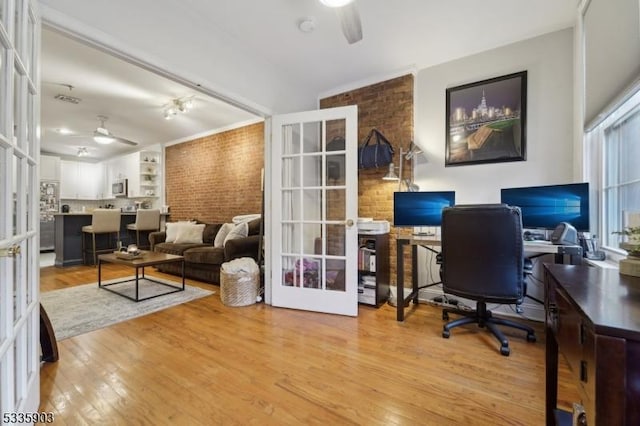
(203, 363)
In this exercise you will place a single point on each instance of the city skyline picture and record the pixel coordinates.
(485, 121)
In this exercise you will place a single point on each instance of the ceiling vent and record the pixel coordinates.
(67, 98)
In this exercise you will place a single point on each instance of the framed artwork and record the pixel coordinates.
(486, 121)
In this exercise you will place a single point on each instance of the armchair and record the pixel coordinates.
(482, 259)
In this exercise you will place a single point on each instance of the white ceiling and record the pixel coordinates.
(254, 51)
(133, 100)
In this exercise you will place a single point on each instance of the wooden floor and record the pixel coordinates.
(203, 363)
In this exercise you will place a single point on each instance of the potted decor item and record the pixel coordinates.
(630, 265)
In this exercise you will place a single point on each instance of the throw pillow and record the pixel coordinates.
(222, 234)
(172, 230)
(241, 230)
(189, 234)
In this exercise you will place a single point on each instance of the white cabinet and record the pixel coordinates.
(82, 181)
(49, 167)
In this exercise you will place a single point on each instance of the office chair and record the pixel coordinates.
(482, 259)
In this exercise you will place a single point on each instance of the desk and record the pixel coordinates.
(536, 248)
(593, 319)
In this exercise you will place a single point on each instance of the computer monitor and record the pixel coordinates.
(423, 208)
(544, 207)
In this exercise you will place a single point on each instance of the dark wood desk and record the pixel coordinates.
(593, 319)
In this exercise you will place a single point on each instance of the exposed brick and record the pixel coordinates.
(216, 177)
(387, 106)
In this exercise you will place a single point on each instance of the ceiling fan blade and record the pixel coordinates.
(125, 141)
(350, 22)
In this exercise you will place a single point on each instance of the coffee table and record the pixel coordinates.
(148, 258)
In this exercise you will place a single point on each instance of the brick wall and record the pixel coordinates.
(216, 177)
(387, 106)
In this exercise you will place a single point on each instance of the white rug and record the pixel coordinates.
(85, 308)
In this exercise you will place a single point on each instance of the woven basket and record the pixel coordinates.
(239, 289)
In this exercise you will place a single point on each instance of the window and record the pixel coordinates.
(613, 150)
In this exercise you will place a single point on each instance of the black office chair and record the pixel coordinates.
(482, 259)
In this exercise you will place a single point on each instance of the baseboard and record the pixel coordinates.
(530, 310)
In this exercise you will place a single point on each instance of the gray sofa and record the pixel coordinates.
(203, 261)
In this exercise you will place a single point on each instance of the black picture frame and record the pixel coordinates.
(486, 121)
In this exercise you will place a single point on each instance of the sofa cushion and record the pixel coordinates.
(210, 232)
(254, 226)
(222, 234)
(173, 248)
(172, 229)
(240, 230)
(208, 254)
(190, 234)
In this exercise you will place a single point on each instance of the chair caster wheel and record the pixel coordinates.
(445, 316)
(504, 350)
(531, 338)
(446, 334)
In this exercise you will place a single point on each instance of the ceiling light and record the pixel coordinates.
(335, 3)
(83, 151)
(177, 105)
(103, 140)
(64, 131)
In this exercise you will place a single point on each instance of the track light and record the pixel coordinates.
(83, 151)
(182, 105)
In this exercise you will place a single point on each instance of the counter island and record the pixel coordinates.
(68, 235)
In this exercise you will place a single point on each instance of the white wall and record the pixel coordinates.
(548, 59)
(148, 31)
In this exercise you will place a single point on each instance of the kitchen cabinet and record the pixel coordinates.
(81, 181)
(49, 167)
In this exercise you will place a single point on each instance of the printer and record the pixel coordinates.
(373, 227)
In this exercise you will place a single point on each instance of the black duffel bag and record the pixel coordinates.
(378, 154)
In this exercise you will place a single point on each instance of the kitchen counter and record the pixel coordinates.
(68, 235)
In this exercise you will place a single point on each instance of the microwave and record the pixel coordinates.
(119, 188)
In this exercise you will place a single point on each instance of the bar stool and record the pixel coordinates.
(146, 220)
(103, 221)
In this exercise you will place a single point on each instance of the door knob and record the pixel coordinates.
(348, 223)
(10, 252)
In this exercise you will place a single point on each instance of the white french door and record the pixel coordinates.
(19, 207)
(314, 206)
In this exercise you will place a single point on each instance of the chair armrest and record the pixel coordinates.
(242, 247)
(156, 238)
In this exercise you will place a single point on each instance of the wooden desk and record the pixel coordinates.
(535, 248)
(593, 319)
(414, 242)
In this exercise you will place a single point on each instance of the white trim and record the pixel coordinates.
(214, 131)
(368, 82)
(72, 28)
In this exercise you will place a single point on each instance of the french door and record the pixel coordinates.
(314, 206)
(19, 207)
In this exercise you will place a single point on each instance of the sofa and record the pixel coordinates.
(203, 260)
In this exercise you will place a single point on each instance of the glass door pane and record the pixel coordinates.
(314, 212)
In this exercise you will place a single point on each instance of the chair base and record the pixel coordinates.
(483, 317)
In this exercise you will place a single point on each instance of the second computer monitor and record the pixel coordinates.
(544, 207)
(412, 209)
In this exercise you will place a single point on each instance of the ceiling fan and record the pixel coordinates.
(103, 136)
(349, 18)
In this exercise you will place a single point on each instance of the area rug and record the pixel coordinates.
(85, 308)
